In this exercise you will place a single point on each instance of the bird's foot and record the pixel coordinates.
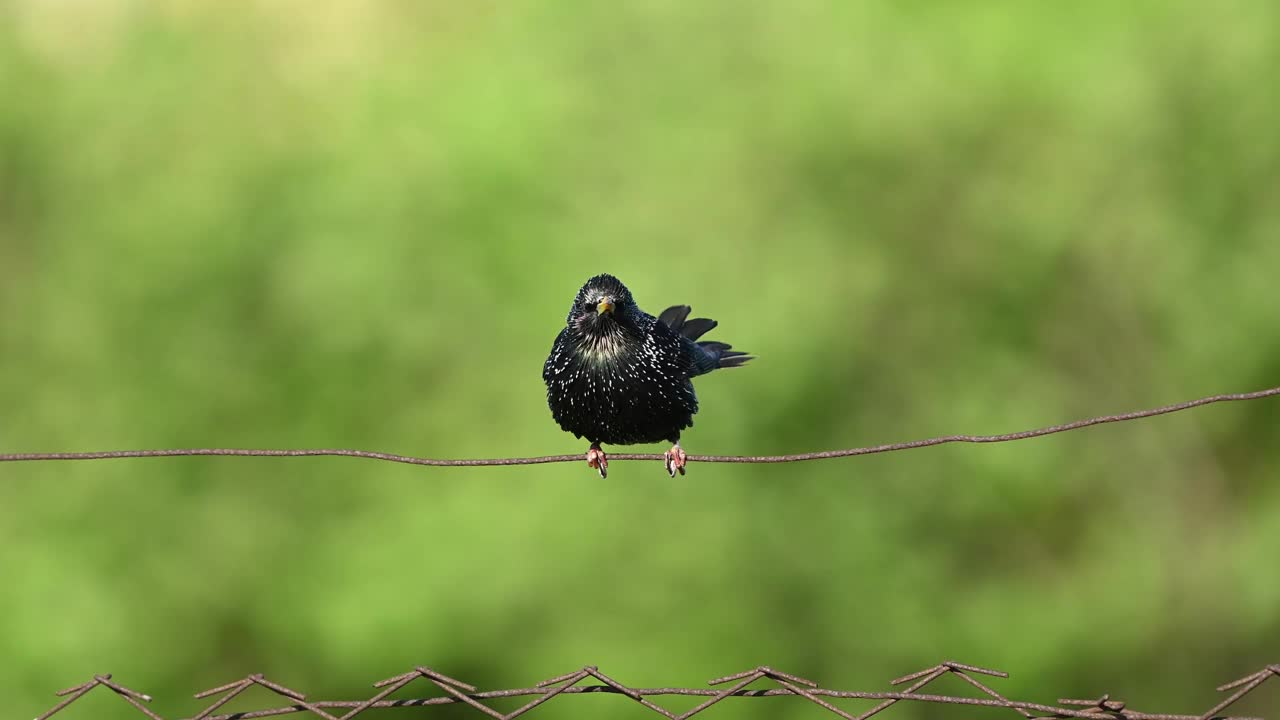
(674, 459)
(596, 459)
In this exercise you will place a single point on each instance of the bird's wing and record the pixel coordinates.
(678, 351)
(676, 318)
(673, 317)
(697, 327)
(560, 358)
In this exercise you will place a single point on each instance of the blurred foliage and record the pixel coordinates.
(288, 224)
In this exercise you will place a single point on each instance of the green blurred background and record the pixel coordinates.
(293, 224)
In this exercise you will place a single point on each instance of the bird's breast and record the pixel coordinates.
(618, 399)
(601, 351)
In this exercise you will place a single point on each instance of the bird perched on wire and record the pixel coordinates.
(619, 376)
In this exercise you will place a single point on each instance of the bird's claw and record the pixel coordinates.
(674, 459)
(596, 459)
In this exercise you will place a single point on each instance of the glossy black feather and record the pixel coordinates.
(623, 377)
(673, 317)
(697, 327)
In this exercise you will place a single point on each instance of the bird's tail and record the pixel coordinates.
(717, 354)
(725, 356)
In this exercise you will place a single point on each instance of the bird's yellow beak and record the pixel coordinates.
(605, 305)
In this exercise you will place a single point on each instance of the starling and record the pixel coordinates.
(619, 376)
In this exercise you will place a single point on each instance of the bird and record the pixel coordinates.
(617, 375)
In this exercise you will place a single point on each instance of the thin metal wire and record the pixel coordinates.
(798, 457)
(456, 691)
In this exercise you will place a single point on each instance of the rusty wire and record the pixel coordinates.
(735, 685)
(798, 457)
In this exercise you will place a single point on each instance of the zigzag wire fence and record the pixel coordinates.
(736, 686)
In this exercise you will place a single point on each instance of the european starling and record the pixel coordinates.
(619, 376)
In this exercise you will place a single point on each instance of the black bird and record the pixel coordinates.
(619, 376)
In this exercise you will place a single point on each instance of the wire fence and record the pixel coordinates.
(730, 686)
(580, 682)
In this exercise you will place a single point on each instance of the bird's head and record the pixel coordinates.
(602, 308)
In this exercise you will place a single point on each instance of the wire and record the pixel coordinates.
(735, 686)
(798, 457)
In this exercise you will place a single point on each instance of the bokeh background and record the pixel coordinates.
(295, 224)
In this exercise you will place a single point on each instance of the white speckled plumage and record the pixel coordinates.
(621, 376)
